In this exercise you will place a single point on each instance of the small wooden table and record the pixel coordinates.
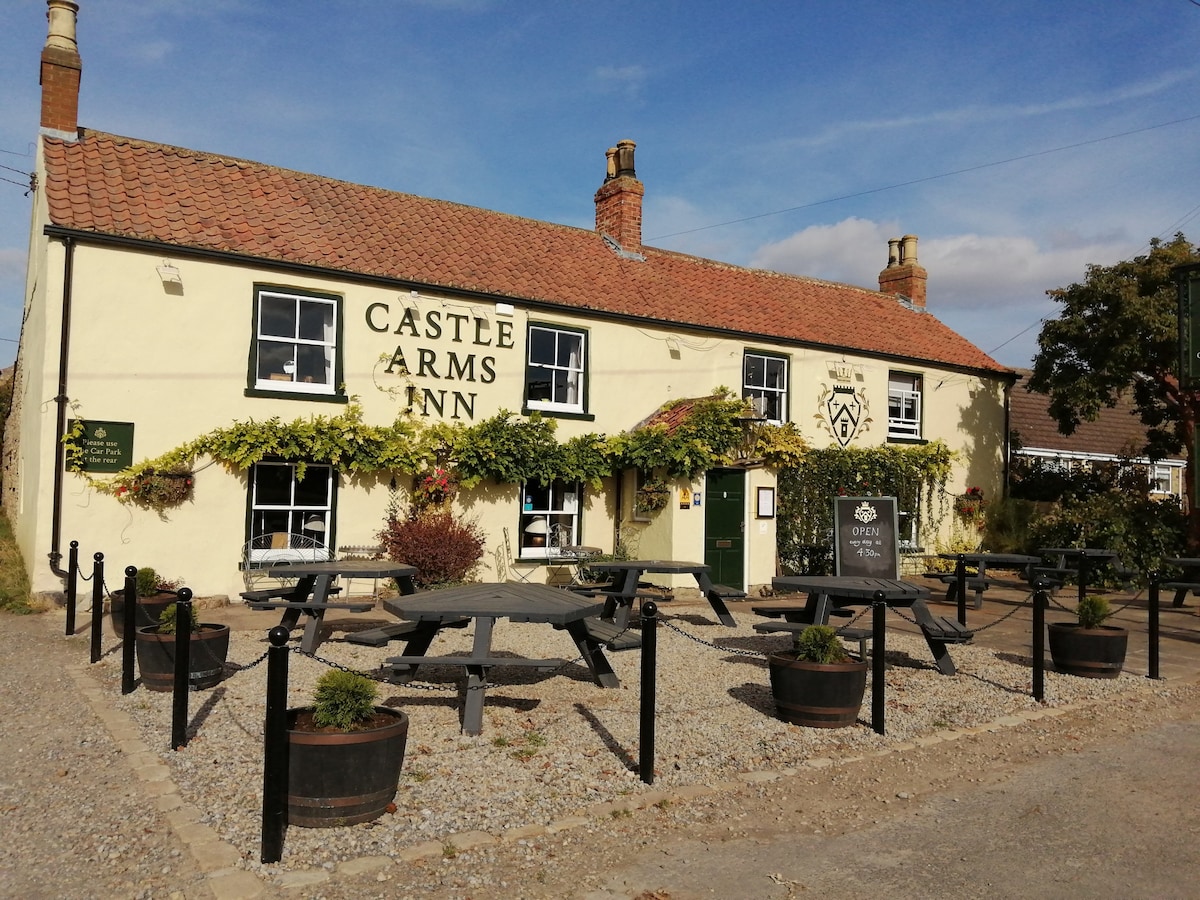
(310, 595)
(1077, 561)
(1189, 580)
(827, 592)
(957, 582)
(627, 572)
(485, 603)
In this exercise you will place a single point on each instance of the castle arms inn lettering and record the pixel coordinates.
(424, 362)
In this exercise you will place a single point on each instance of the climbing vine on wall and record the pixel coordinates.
(505, 448)
(915, 475)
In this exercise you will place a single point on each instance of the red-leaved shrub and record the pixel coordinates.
(444, 549)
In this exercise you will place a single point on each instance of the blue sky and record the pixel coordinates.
(1020, 141)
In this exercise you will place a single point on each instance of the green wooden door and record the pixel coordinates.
(725, 526)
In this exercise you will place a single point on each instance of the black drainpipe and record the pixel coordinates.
(61, 427)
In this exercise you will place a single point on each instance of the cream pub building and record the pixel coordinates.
(171, 292)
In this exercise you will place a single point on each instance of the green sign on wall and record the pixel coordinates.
(107, 446)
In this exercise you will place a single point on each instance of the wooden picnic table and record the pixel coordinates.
(1189, 579)
(626, 573)
(485, 604)
(310, 595)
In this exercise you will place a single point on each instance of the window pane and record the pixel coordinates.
(755, 376)
(273, 485)
(569, 349)
(313, 364)
(541, 346)
(277, 316)
(775, 374)
(274, 360)
(316, 321)
(314, 489)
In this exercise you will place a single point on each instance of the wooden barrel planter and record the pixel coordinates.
(206, 657)
(343, 777)
(817, 695)
(148, 610)
(1088, 652)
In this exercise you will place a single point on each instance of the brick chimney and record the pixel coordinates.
(61, 70)
(904, 276)
(619, 200)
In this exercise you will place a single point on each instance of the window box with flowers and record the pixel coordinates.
(969, 506)
(434, 489)
(152, 489)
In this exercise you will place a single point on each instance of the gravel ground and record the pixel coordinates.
(509, 813)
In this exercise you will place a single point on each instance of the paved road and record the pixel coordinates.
(1116, 819)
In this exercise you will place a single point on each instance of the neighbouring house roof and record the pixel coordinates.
(1117, 431)
(118, 186)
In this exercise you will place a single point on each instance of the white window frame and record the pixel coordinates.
(292, 516)
(760, 393)
(558, 504)
(286, 376)
(904, 392)
(1161, 474)
(571, 371)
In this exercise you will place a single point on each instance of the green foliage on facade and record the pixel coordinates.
(915, 475)
(506, 449)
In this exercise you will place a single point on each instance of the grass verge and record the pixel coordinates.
(14, 584)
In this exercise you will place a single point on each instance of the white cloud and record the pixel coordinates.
(623, 79)
(989, 288)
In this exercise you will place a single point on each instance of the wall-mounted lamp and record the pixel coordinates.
(673, 347)
(168, 273)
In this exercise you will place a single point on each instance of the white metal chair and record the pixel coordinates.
(277, 548)
(361, 551)
(511, 572)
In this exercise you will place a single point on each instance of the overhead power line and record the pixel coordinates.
(892, 187)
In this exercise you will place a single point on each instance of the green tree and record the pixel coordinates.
(1118, 331)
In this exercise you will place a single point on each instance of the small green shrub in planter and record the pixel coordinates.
(344, 700)
(167, 623)
(821, 644)
(1092, 611)
(149, 584)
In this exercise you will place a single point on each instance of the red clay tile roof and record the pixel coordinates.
(1116, 432)
(119, 186)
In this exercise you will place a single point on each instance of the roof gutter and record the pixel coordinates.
(60, 427)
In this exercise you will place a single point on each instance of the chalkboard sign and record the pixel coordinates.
(866, 537)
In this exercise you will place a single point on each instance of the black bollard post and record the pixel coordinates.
(1153, 625)
(183, 668)
(129, 632)
(649, 687)
(1040, 602)
(878, 649)
(960, 576)
(97, 604)
(275, 748)
(72, 587)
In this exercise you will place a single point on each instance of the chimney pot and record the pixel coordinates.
(61, 14)
(61, 70)
(625, 158)
(908, 250)
(893, 252)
